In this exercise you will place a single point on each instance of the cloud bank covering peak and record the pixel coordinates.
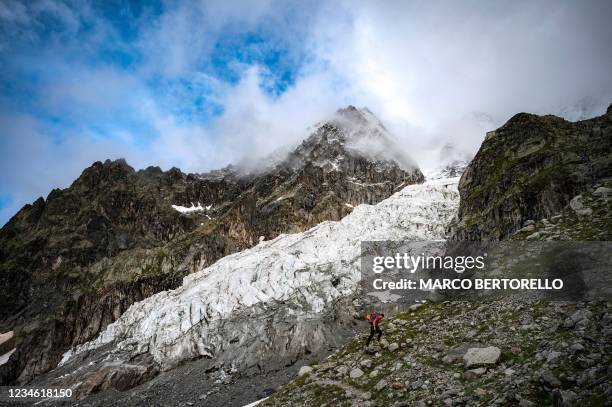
(201, 84)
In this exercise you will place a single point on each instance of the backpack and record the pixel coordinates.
(372, 317)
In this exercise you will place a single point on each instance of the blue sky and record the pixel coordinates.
(200, 84)
(86, 81)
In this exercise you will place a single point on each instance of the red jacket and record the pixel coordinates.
(374, 318)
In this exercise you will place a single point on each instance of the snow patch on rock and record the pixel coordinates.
(192, 208)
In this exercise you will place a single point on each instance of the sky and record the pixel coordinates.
(201, 84)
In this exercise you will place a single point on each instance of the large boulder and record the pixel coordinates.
(356, 373)
(304, 370)
(475, 357)
(119, 376)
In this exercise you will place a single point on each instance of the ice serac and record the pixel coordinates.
(74, 262)
(266, 306)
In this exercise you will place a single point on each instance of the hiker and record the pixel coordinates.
(374, 321)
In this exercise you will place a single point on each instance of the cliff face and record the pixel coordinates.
(53, 251)
(73, 263)
(531, 168)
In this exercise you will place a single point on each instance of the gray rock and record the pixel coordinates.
(415, 307)
(556, 218)
(474, 373)
(549, 379)
(552, 355)
(393, 347)
(356, 373)
(381, 385)
(578, 317)
(577, 347)
(564, 398)
(305, 370)
(585, 362)
(342, 370)
(450, 392)
(367, 363)
(584, 212)
(7, 342)
(595, 356)
(576, 203)
(481, 356)
(456, 353)
(603, 192)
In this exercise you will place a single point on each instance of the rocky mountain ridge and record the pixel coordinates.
(530, 169)
(73, 263)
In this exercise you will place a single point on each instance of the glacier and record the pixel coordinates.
(273, 300)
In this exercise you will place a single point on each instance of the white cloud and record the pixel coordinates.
(38, 163)
(257, 123)
(433, 72)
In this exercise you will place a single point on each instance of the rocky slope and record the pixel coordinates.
(530, 169)
(73, 263)
(586, 217)
(473, 354)
(260, 309)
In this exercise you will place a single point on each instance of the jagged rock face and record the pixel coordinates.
(55, 294)
(264, 307)
(531, 168)
(73, 263)
(109, 209)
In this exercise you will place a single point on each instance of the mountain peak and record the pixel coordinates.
(352, 134)
(108, 171)
(359, 116)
